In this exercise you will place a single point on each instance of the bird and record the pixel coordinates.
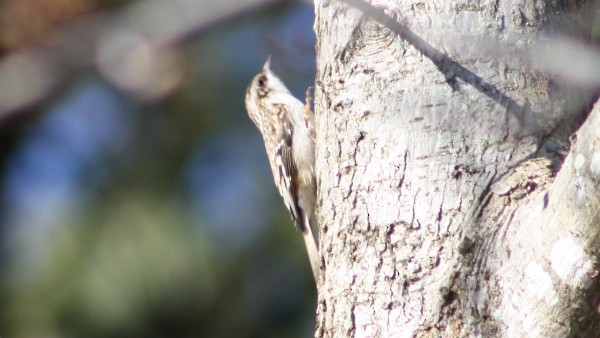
(285, 124)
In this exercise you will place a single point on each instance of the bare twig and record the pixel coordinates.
(127, 47)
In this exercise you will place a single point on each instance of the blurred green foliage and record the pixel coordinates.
(131, 268)
(108, 226)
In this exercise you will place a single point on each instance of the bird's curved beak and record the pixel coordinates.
(267, 66)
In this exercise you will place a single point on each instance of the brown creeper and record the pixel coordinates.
(282, 121)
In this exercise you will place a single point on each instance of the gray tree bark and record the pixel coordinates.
(458, 176)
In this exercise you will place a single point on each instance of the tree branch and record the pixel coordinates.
(117, 44)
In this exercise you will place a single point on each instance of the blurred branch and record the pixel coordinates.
(132, 48)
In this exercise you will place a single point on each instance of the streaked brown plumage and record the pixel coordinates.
(280, 118)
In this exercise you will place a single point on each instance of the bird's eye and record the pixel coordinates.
(262, 88)
(261, 81)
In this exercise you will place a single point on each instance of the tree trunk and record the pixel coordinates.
(452, 202)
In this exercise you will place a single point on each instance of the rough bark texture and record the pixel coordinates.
(446, 205)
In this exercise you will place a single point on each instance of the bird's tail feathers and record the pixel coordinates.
(311, 248)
